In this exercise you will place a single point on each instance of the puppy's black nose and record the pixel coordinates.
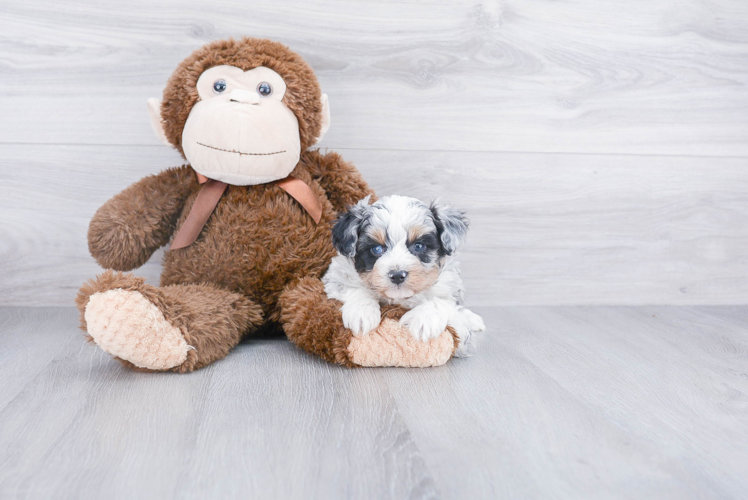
(398, 277)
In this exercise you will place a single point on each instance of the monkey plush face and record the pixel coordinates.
(242, 111)
(241, 132)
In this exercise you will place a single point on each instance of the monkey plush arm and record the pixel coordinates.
(128, 228)
(340, 179)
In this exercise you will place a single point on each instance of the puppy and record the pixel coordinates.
(400, 251)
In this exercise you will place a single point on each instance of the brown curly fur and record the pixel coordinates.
(278, 240)
(314, 323)
(126, 230)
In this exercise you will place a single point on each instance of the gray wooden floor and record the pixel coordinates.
(560, 402)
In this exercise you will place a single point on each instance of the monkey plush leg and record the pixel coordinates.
(314, 323)
(178, 327)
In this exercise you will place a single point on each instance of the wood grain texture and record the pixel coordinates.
(24, 355)
(591, 403)
(546, 229)
(559, 402)
(667, 77)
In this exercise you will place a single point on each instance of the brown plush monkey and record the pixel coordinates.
(249, 221)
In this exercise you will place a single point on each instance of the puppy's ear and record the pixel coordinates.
(451, 226)
(346, 229)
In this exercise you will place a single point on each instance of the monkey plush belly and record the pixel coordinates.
(257, 240)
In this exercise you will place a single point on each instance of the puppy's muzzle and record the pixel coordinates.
(398, 277)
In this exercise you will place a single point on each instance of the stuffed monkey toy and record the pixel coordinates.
(248, 222)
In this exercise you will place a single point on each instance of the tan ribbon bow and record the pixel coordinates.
(211, 192)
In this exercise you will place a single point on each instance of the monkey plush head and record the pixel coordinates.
(242, 111)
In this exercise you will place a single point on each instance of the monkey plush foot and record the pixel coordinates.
(126, 324)
(391, 344)
(314, 323)
(178, 327)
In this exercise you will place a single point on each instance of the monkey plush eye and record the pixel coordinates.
(419, 247)
(264, 89)
(377, 250)
(219, 86)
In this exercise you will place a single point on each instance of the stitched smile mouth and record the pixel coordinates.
(239, 152)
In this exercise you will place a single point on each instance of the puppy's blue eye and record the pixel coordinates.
(419, 247)
(219, 86)
(264, 89)
(377, 250)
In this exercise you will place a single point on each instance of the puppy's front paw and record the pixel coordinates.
(424, 322)
(475, 322)
(361, 317)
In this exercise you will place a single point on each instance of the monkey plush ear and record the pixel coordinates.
(154, 110)
(325, 124)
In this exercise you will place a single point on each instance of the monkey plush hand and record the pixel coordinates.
(249, 221)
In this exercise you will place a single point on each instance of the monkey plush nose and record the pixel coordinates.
(244, 96)
(398, 277)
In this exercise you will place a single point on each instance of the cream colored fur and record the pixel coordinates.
(129, 326)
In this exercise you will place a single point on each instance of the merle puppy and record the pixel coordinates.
(401, 251)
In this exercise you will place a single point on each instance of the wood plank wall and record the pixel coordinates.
(599, 147)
